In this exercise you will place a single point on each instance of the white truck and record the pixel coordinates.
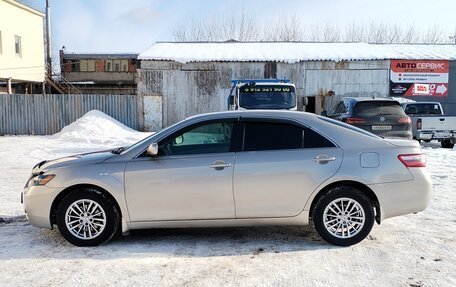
(429, 122)
(271, 94)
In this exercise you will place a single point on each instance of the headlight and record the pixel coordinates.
(42, 179)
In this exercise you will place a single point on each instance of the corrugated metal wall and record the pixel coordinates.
(449, 102)
(201, 87)
(48, 114)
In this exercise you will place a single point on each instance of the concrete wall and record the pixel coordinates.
(17, 19)
(188, 89)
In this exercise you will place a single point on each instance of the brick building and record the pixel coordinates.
(100, 73)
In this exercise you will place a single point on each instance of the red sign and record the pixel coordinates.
(423, 66)
(437, 90)
(419, 78)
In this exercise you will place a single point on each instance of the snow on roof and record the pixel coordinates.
(292, 52)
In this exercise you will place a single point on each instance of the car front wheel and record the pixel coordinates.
(343, 216)
(87, 217)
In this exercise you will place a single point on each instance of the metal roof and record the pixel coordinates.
(292, 52)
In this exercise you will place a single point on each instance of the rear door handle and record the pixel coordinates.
(323, 158)
(219, 164)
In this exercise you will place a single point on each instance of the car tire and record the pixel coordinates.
(446, 144)
(87, 217)
(343, 216)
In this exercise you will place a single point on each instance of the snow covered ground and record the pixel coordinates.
(413, 250)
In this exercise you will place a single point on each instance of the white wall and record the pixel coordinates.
(17, 19)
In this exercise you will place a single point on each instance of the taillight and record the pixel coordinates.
(413, 160)
(406, 120)
(419, 124)
(355, 121)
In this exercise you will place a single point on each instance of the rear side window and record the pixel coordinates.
(340, 108)
(272, 136)
(276, 136)
(374, 108)
(423, 109)
(313, 139)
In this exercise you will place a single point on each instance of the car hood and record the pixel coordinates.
(402, 142)
(74, 160)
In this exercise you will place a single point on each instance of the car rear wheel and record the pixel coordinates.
(343, 216)
(87, 217)
(447, 144)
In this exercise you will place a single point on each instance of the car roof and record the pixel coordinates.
(354, 100)
(418, 103)
(258, 113)
(363, 99)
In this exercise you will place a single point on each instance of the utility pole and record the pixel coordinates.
(48, 40)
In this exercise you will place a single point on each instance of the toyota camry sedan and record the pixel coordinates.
(237, 168)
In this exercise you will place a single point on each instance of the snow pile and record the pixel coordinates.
(96, 127)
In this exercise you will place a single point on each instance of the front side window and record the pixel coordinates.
(212, 137)
(18, 45)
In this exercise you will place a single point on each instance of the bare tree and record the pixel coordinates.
(330, 32)
(240, 26)
(285, 29)
(410, 35)
(434, 34)
(232, 25)
(354, 33)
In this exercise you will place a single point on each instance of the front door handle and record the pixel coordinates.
(219, 164)
(323, 158)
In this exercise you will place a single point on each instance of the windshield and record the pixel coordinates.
(375, 108)
(267, 97)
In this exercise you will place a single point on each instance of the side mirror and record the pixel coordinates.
(305, 101)
(231, 100)
(179, 139)
(152, 149)
(324, 113)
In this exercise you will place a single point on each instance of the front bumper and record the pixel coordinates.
(37, 204)
(406, 197)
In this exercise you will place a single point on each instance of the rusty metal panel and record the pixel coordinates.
(189, 89)
(48, 114)
(190, 92)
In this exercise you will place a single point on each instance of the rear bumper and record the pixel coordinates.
(406, 197)
(395, 134)
(37, 204)
(436, 135)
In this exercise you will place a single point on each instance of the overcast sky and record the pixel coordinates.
(110, 26)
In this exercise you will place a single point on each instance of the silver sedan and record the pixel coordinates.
(234, 169)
